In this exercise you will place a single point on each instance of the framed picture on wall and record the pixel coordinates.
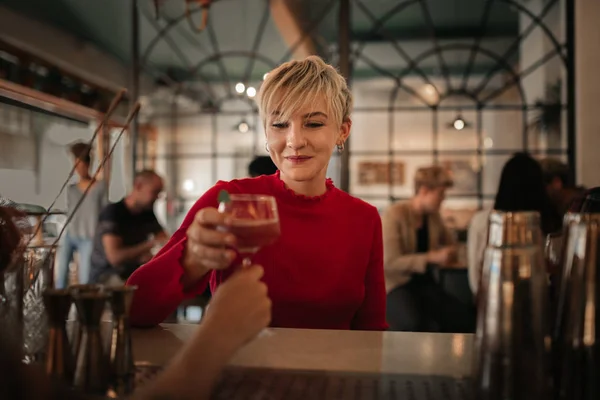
(464, 174)
(378, 173)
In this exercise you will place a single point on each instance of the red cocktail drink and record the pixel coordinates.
(253, 234)
(255, 221)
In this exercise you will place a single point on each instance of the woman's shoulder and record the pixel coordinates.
(349, 203)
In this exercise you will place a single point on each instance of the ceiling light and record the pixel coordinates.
(251, 92)
(188, 185)
(459, 123)
(243, 127)
(240, 88)
(488, 143)
(430, 89)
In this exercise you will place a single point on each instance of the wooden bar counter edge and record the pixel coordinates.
(326, 350)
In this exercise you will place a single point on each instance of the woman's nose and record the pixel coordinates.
(295, 137)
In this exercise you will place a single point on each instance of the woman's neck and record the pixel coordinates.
(311, 188)
(85, 178)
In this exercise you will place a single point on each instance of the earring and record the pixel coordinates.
(267, 147)
(340, 147)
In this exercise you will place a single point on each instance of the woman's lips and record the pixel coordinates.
(298, 159)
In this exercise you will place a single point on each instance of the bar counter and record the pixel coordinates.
(326, 350)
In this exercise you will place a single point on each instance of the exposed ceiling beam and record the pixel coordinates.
(65, 51)
(38, 100)
(288, 24)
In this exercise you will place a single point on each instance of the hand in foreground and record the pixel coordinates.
(240, 308)
(238, 311)
(206, 246)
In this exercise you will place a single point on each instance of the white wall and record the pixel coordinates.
(412, 131)
(587, 38)
(20, 184)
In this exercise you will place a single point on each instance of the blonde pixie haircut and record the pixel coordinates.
(294, 84)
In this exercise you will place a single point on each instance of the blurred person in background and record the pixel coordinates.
(521, 188)
(261, 165)
(325, 271)
(79, 234)
(561, 190)
(128, 231)
(239, 310)
(416, 243)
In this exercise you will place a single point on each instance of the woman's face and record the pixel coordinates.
(82, 169)
(302, 145)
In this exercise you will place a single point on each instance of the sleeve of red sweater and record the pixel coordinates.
(371, 314)
(160, 291)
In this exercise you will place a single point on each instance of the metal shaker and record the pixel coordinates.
(506, 229)
(578, 339)
(512, 358)
(514, 228)
(122, 369)
(565, 263)
(91, 369)
(560, 239)
(76, 326)
(59, 359)
(555, 250)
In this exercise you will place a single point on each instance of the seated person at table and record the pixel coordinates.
(560, 189)
(261, 165)
(521, 188)
(239, 310)
(416, 243)
(326, 268)
(127, 231)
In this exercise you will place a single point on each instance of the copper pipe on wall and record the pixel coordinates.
(51, 103)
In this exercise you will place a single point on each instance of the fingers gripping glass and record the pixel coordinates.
(254, 221)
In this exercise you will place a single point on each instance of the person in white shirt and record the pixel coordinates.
(521, 188)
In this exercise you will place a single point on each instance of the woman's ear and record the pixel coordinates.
(345, 130)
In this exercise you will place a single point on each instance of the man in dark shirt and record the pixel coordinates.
(127, 232)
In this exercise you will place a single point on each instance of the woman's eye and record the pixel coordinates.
(314, 124)
(279, 125)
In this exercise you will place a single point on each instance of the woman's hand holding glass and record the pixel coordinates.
(243, 222)
(207, 247)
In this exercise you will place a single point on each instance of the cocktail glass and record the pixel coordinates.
(254, 222)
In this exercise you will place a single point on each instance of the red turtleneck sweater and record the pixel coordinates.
(324, 272)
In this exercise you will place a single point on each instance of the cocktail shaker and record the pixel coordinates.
(577, 334)
(512, 357)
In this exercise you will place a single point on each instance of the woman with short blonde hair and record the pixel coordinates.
(326, 269)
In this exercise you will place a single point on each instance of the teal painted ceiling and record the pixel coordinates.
(236, 23)
(386, 36)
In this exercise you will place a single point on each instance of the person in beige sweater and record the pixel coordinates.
(416, 243)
